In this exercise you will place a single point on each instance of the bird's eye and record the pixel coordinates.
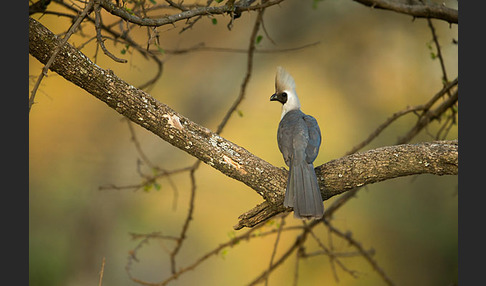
(284, 95)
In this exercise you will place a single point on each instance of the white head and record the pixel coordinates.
(285, 91)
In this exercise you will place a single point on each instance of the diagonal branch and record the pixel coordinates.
(430, 10)
(335, 177)
(184, 15)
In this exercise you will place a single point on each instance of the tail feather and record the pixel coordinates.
(303, 193)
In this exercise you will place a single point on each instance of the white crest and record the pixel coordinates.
(283, 80)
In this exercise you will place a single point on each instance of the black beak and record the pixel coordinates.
(274, 97)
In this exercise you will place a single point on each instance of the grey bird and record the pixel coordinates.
(299, 138)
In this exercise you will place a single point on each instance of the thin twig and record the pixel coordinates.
(428, 116)
(439, 52)
(102, 271)
(135, 141)
(232, 242)
(277, 239)
(98, 34)
(333, 257)
(185, 227)
(171, 19)
(384, 125)
(423, 107)
(162, 173)
(445, 78)
(127, 40)
(296, 266)
(249, 67)
(157, 235)
(298, 242)
(364, 253)
(202, 48)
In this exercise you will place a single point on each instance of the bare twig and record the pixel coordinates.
(364, 253)
(296, 266)
(428, 116)
(152, 235)
(445, 80)
(171, 19)
(102, 271)
(148, 179)
(98, 34)
(249, 67)
(232, 242)
(277, 239)
(423, 107)
(185, 227)
(333, 257)
(202, 48)
(296, 245)
(127, 40)
(439, 52)
(135, 141)
(384, 125)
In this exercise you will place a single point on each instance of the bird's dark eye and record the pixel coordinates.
(284, 95)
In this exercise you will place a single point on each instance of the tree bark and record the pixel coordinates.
(335, 177)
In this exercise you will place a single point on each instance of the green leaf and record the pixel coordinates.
(130, 11)
(223, 252)
(125, 50)
(454, 108)
(314, 3)
(240, 113)
(231, 234)
(153, 2)
(147, 188)
(214, 21)
(157, 186)
(259, 39)
(218, 1)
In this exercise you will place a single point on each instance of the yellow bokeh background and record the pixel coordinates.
(368, 64)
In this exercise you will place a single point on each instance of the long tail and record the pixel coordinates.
(303, 192)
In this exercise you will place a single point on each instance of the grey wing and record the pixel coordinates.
(314, 138)
(284, 140)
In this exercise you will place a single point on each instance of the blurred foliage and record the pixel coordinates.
(368, 65)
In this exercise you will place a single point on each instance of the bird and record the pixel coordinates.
(299, 139)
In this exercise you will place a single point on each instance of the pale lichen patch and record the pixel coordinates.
(173, 121)
(234, 164)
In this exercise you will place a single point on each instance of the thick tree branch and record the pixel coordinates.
(418, 9)
(337, 176)
(364, 168)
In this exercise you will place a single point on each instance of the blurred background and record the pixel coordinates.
(367, 65)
